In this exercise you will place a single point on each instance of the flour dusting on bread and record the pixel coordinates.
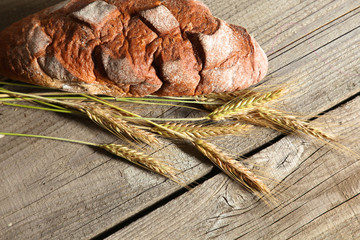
(131, 48)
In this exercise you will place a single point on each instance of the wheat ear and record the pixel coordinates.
(118, 126)
(231, 167)
(142, 160)
(216, 100)
(241, 105)
(200, 131)
(281, 121)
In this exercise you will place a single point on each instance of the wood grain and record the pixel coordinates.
(59, 190)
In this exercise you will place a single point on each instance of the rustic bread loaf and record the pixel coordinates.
(131, 48)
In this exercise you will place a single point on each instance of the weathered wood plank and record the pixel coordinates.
(63, 190)
(318, 194)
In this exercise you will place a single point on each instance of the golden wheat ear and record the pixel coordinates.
(283, 122)
(200, 131)
(234, 169)
(142, 160)
(118, 126)
(243, 104)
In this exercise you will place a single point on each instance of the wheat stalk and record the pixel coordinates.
(199, 131)
(134, 156)
(231, 167)
(241, 105)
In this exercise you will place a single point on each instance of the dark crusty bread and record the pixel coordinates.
(131, 48)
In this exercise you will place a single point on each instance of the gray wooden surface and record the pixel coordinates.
(52, 190)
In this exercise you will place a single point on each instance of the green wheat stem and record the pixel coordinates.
(7, 98)
(50, 104)
(38, 108)
(52, 138)
(160, 100)
(110, 105)
(73, 96)
(164, 119)
(2, 90)
(171, 97)
(159, 104)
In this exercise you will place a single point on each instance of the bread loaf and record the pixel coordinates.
(131, 48)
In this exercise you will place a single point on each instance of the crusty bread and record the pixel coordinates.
(131, 48)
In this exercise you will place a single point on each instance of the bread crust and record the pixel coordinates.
(131, 48)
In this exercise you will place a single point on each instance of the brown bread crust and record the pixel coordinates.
(131, 48)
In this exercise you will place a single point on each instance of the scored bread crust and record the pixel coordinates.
(131, 48)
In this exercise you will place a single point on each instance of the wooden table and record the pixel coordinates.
(52, 190)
